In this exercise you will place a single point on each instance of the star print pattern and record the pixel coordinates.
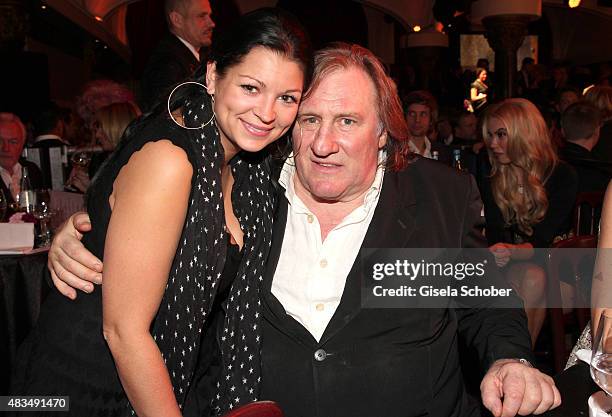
(198, 264)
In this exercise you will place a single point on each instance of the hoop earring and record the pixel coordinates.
(172, 116)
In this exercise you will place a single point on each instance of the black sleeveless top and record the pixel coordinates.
(66, 353)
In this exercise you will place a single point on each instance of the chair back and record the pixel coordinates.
(587, 212)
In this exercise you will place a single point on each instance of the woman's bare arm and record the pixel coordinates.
(149, 204)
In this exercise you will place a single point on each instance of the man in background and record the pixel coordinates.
(421, 111)
(49, 141)
(12, 141)
(178, 54)
(580, 124)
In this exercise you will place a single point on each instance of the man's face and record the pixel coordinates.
(337, 138)
(11, 145)
(194, 24)
(418, 118)
(466, 127)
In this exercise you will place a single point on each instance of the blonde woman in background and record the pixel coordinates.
(107, 128)
(528, 197)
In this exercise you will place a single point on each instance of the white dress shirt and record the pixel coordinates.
(193, 50)
(12, 180)
(426, 153)
(311, 273)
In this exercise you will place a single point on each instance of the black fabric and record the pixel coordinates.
(22, 288)
(561, 190)
(77, 362)
(197, 402)
(575, 386)
(593, 175)
(390, 362)
(170, 63)
(603, 148)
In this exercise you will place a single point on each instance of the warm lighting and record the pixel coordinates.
(416, 28)
(44, 7)
(573, 3)
(98, 18)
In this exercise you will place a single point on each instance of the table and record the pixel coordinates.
(23, 287)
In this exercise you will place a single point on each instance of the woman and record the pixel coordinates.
(478, 91)
(108, 126)
(528, 198)
(171, 206)
(601, 285)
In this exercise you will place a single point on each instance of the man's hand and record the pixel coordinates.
(71, 265)
(510, 388)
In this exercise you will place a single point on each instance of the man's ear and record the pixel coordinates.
(382, 139)
(211, 76)
(176, 19)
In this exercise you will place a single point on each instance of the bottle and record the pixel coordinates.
(26, 199)
(457, 163)
(435, 155)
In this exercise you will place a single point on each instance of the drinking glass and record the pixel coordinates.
(43, 213)
(601, 359)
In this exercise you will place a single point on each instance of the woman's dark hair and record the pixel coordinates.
(479, 71)
(270, 28)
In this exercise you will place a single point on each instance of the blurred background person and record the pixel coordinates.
(580, 125)
(601, 97)
(47, 148)
(528, 199)
(108, 126)
(421, 112)
(175, 58)
(479, 90)
(12, 141)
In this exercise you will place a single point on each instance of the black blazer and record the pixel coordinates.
(390, 362)
(170, 63)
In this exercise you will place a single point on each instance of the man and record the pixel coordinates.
(178, 53)
(351, 185)
(580, 124)
(46, 151)
(421, 114)
(12, 141)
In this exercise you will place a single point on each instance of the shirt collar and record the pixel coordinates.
(287, 177)
(426, 153)
(192, 48)
(41, 138)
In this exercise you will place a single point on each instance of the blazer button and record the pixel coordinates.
(320, 355)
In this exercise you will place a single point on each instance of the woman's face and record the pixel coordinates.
(256, 101)
(101, 138)
(482, 76)
(497, 140)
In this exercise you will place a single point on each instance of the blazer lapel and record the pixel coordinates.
(392, 226)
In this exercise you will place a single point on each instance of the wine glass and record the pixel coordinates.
(43, 213)
(601, 359)
(81, 159)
